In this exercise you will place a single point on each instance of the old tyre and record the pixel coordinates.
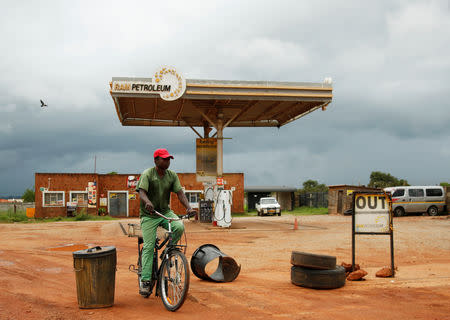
(399, 212)
(313, 261)
(433, 211)
(318, 279)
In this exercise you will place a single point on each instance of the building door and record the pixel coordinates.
(118, 203)
(340, 201)
(253, 198)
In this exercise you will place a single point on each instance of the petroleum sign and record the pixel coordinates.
(372, 213)
(167, 82)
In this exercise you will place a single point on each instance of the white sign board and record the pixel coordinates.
(103, 202)
(167, 82)
(372, 213)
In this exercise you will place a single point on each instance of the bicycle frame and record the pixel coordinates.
(169, 246)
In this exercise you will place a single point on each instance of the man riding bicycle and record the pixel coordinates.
(155, 185)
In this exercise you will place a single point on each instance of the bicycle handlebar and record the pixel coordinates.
(186, 216)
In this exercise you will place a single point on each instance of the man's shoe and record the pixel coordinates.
(145, 288)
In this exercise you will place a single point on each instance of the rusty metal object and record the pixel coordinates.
(227, 269)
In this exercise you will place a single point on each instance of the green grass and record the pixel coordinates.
(20, 216)
(10, 217)
(302, 211)
(307, 211)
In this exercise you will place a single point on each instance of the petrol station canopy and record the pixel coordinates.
(205, 103)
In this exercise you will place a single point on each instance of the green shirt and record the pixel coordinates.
(158, 189)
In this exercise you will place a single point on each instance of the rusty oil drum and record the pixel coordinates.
(95, 273)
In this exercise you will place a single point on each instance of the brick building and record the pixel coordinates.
(340, 197)
(115, 193)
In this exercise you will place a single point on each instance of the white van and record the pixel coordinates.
(419, 199)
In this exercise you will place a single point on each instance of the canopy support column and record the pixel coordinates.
(219, 147)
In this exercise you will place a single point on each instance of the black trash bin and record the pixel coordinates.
(227, 268)
(95, 273)
(71, 210)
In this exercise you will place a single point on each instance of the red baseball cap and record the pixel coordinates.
(163, 153)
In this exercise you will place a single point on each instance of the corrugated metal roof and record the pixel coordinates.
(350, 186)
(269, 189)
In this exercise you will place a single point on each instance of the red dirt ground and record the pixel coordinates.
(37, 280)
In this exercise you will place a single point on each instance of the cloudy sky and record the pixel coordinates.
(389, 60)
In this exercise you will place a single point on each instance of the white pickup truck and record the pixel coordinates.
(268, 206)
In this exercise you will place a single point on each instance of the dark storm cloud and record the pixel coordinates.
(388, 59)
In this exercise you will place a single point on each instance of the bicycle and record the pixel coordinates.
(172, 275)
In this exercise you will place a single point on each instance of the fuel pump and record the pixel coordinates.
(222, 206)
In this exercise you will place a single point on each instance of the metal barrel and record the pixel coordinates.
(227, 269)
(95, 273)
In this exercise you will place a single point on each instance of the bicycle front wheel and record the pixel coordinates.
(174, 280)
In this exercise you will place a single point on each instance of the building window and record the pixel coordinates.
(192, 197)
(80, 197)
(53, 198)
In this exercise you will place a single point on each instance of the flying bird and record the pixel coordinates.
(43, 104)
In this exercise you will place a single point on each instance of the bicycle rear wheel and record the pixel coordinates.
(174, 280)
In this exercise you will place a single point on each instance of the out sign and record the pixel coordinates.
(372, 213)
(369, 203)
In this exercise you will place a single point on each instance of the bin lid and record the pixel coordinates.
(94, 252)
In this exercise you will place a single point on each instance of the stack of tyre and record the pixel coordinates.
(316, 271)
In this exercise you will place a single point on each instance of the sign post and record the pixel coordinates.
(206, 150)
(372, 215)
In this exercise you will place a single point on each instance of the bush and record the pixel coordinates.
(82, 216)
(9, 216)
(20, 216)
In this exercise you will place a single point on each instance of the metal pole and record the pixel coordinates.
(206, 130)
(392, 252)
(391, 229)
(219, 147)
(353, 234)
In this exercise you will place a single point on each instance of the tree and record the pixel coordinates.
(383, 180)
(313, 186)
(444, 184)
(28, 195)
(112, 172)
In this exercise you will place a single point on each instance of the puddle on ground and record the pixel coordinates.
(69, 247)
(5, 263)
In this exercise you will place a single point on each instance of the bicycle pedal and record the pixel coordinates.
(145, 294)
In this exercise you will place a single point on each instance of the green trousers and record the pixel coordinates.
(148, 227)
